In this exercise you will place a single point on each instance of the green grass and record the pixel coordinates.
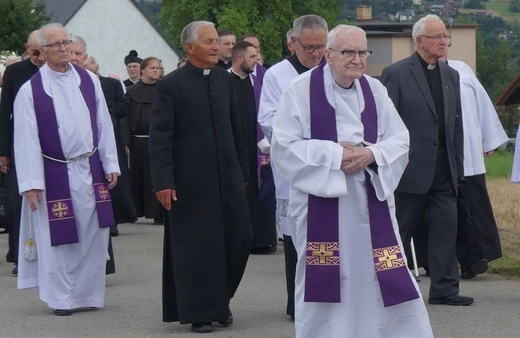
(502, 7)
(506, 266)
(499, 165)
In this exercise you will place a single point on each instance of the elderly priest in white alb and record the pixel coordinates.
(67, 161)
(339, 142)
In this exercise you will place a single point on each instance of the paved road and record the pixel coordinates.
(133, 301)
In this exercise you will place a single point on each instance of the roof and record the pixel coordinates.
(62, 11)
(511, 95)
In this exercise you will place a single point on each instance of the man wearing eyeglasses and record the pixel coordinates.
(67, 163)
(310, 38)
(14, 77)
(339, 142)
(426, 93)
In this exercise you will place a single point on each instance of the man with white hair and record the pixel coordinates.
(339, 142)
(67, 162)
(309, 38)
(426, 93)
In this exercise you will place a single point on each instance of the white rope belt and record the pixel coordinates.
(79, 157)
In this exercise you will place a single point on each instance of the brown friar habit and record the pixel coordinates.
(135, 131)
(197, 148)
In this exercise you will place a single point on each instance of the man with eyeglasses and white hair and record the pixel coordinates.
(310, 38)
(15, 76)
(426, 93)
(66, 164)
(340, 144)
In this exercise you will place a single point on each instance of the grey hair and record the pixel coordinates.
(80, 40)
(345, 30)
(419, 28)
(191, 31)
(91, 60)
(42, 39)
(311, 21)
(289, 34)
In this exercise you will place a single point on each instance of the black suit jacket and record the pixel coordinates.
(408, 88)
(14, 77)
(117, 102)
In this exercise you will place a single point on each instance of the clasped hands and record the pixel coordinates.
(355, 158)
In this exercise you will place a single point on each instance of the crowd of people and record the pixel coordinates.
(231, 154)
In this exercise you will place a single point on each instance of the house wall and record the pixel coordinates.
(113, 28)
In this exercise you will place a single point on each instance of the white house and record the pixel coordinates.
(111, 29)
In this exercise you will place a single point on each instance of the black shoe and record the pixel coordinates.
(114, 231)
(15, 270)
(201, 327)
(456, 300)
(476, 269)
(264, 250)
(62, 312)
(158, 221)
(228, 321)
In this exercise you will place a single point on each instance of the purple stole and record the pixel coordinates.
(62, 224)
(260, 71)
(261, 157)
(322, 275)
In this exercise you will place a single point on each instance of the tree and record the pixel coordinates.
(18, 19)
(474, 4)
(269, 19)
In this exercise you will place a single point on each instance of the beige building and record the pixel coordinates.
(392, 41)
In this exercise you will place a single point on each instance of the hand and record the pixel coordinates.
(34, 197)
(166, 196)
(355, 158)
(490, 153)
(112, 180)
(4, 164)
(127, 151)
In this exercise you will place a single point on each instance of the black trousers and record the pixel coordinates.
(477, 236)
(439, 209)
(291, 258)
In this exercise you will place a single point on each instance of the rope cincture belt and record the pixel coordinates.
(79, 157)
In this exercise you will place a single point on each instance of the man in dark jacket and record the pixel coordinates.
(14, 77)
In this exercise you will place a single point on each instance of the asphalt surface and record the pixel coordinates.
(133, 300)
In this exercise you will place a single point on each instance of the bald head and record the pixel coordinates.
(33, 49)
(91, 64)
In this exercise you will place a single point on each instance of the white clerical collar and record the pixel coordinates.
(431, 67)
(242, 77)
(206, 71)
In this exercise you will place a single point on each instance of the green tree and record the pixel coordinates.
(269, 19)
(474, 4)
(18, 18)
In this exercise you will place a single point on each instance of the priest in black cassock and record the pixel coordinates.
(247, 88)
(15, 76)
(199, 170)
(117, 103)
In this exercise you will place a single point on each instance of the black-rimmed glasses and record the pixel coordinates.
(350, 54)
(57, 45)
(311, 49)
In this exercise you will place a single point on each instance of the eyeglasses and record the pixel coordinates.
(437, 37)
(311, 49)
(57, 45)
(35, 53)
(349, 54)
